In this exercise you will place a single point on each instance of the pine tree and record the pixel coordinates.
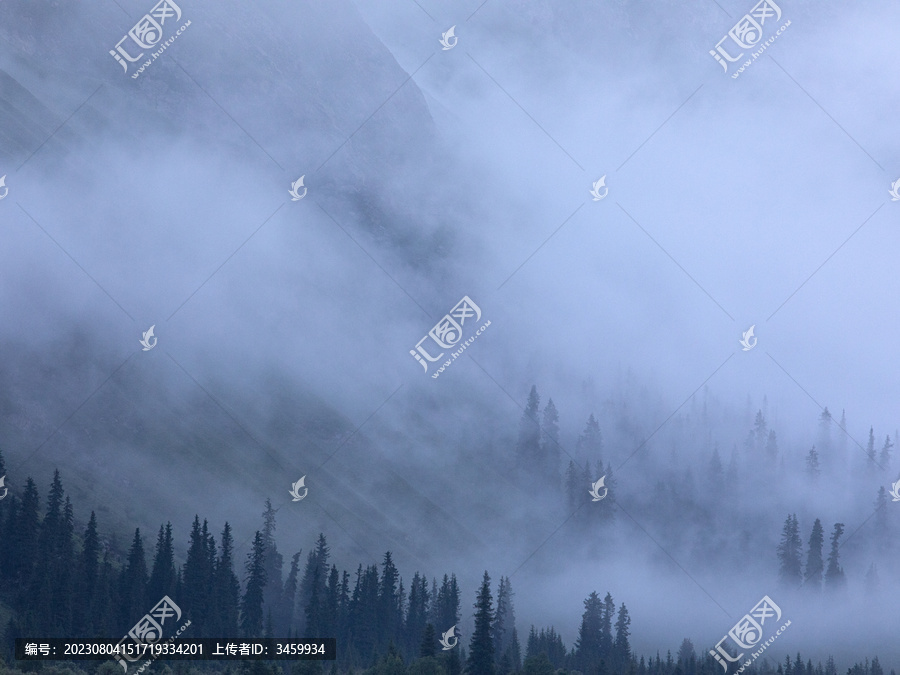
(88, 567)
(528, 448)
(870, 449)
(789, 554)
(317, 559)
(162, 575)
(504, 619)
(389, 610)
(881, 533)
(824, 438)
(428, 644)
(274, 562)
(550, 448)
(197, 577)
(760, 433)
(622, 647)
(606, 622)
(227, 589)
(589, 644)
(285, 621)
(515, 651)
(772, 447)
(133, 584)
(481, 646)
(812, 464)
(884, 459)
(252, 602)
(416, 615)
(814, 564)
(834, 575)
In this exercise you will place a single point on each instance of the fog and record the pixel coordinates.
(285, 327)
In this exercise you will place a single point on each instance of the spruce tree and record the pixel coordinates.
(227, 589)
(481, 646)
(88, 567)
(870, 449)
(789, 554)
(389, 610)
(815, 566)
(834, 575)
(255, 584)
(504, 618)
(428, 644)
(274, 562)
(812, 464)
(197, 577)
(133, 584)
(317, 559)
(622, 646)
(285, 622)
(550, 448)
(416, 614)
(162, 574)
(528, 448)
(884, 458)
(881, 532)
(606, 622)
(589, 644)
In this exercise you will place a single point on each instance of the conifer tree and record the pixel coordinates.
(870, 449)
(389, 610)
(884, 458)
(789, 554)
(772, 447)
(812, 464)
(285, 621)
(416, 614)
(274, 562)
(834, 575)
(606, 621)
(814, 563)
(622, 646)
(255, 584)
(528, 448)
(589, 644)
(481, 646)
(88, 567)
(504, 618)
(162, 574)
(227, 589)
(550, 448)
(317, 559)
(133, 584)
(428, 644)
